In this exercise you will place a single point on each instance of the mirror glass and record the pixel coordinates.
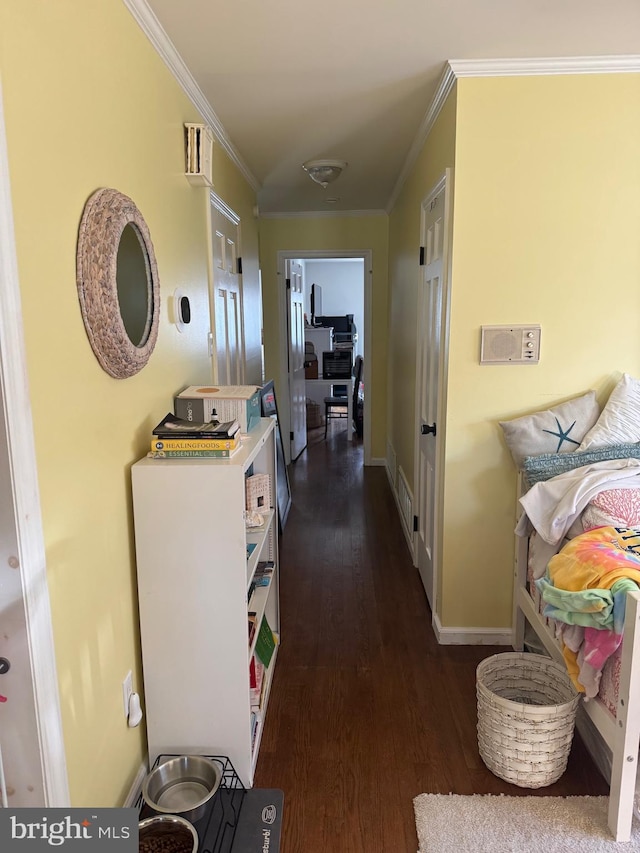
(132, 280)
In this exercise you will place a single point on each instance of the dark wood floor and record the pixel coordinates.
(367, 710)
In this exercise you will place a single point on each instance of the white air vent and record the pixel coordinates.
(510, 345)
(199, 154)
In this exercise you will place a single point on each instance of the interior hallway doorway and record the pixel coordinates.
(331, 269)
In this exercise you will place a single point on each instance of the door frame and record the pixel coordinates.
(23, 492)
(445, 182)
(324, 254)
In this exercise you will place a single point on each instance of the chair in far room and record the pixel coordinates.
(337, 406)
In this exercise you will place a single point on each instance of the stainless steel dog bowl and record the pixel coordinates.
(168, 833)
(182, 785)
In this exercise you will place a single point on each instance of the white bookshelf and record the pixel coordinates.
(193, 581)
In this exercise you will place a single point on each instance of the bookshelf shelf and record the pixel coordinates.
(258, 605)
(193, 584)
(262, 709)
(260, 536)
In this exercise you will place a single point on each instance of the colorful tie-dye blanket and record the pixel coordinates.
(585, 587)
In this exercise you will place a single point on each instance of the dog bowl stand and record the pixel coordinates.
(237, 820)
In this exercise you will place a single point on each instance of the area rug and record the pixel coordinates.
(449, 823)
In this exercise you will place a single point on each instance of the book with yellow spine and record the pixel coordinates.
(192, 454)
(194, 444)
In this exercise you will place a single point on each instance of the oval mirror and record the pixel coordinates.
(118, 285)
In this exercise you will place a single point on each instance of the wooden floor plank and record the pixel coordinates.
(367, 710)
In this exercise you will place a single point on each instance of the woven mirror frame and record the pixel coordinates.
(106, 215)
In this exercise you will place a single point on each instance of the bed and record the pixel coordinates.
(573, 528)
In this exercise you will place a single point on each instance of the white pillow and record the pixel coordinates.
(619, 422)
(556, 430)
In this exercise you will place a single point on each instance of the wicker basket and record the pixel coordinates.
(526, 715)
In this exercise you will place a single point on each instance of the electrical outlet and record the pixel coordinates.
(127, 690)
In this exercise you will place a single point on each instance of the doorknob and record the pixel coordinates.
(426, 429)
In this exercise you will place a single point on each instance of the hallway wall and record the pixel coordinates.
(88, 104)
(546, 230)
(546, 218)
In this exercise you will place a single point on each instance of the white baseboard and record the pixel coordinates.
(392, 485)
(378, 461)
(471, 636)
(407, 535)
(405, 502)
(136, 787)
(444, 636)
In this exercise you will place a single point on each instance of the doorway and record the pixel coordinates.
(431, 349)
(32, 757)
(314, 263)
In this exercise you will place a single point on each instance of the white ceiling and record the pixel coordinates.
(291, 80)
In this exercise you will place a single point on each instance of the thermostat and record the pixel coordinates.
(510, 344)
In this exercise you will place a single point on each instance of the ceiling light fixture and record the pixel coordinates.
(323, 172)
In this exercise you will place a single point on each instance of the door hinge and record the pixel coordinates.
(288, 283)
(239, 265)
(421, 256)
(291, 436)
(415, 523)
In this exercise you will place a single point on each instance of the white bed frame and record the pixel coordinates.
(622, 733)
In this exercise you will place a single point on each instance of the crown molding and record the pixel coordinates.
(540, 66)
(446, 84)
(163, 45)
(534, 66)
(314, 214)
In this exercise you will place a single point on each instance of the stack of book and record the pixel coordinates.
(177, 437)
(252, 623)
(256, 682)
(261, 577)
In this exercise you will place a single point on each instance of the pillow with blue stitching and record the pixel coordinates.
(556, 430)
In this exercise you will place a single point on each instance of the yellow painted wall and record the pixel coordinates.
(437, 155)
(321, 233)
(546, 230)
(546, 224)
(89, 104)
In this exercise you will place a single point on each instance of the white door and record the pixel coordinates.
(32, 756)
(297, 390)
(430, 339)
(226, 301)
